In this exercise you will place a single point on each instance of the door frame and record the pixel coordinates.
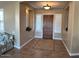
(53, 23)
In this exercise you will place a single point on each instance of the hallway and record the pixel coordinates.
(40, 48)
(23, 21)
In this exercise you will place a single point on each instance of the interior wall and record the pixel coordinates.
(15, 22)
(73, 28)
(55, 11)
(11, 10)
(25, 21)
(65, 20)
(71, 39)
(17, 25)
(75, 40)
(32, 19)
(68, 36)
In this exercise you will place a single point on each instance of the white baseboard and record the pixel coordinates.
(57, 38)
(66, 48)
(74, 54)
(19, 47)
(71, 54)
(38, 37)
(26, 43)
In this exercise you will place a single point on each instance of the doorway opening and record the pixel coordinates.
(48, 28)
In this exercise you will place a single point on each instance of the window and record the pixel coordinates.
(1, 20)
(39, 26)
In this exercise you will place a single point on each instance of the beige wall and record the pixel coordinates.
(71, 38)
(26, 17)
(75, 40)
(15, 21)
(65, 24)
(32, 19)
(49, 11)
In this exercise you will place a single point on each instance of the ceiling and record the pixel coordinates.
(53, 4)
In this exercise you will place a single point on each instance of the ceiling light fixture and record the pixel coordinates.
(47, 7)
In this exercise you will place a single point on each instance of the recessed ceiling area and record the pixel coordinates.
(53, 4)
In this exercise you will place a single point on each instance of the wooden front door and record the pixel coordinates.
(47, 26)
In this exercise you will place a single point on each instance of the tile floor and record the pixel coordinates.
(39, 48)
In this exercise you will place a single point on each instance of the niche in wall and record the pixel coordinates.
(29, 20)
(67, 14)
